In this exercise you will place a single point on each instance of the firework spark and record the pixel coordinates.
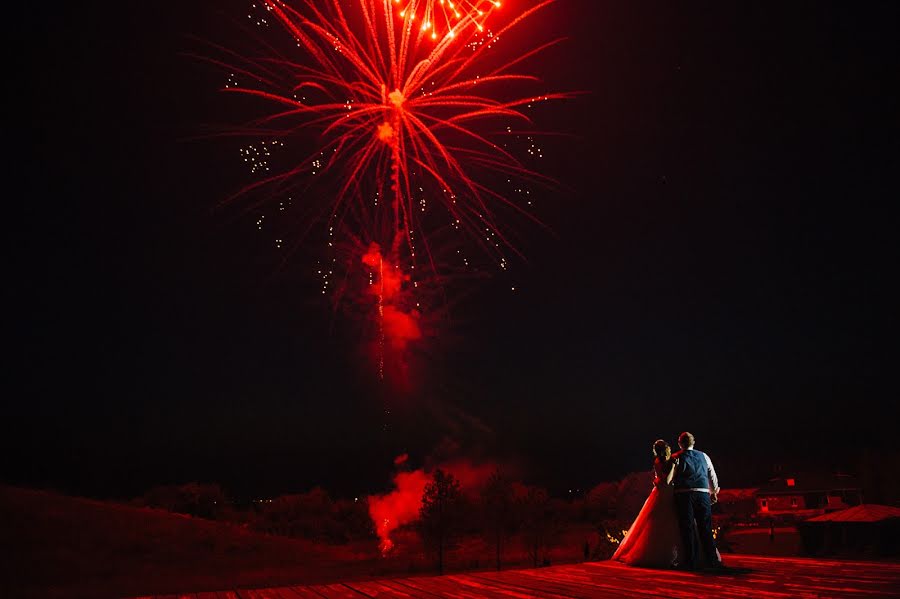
(441, 17)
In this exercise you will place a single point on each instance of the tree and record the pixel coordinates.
(497, 500)
(632, 493)
(601, 502)
(536, 517)
(305, 515)
(440, 513)
(195, 499)
(353, 520)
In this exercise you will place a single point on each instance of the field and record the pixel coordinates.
(58, 546)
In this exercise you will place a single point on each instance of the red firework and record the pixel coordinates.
(441, 17)
(400, 93)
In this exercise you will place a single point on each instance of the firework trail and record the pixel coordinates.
(401, 95)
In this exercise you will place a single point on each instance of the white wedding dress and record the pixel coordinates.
(654, 539)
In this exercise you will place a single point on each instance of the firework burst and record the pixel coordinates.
(410, 101)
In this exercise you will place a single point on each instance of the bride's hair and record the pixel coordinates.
(659, 449)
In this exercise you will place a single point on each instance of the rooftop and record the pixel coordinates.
(867, 512)
(809, 483)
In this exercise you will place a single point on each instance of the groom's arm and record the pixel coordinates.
(713, 479)
(671, 475)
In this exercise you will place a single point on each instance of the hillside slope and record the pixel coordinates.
(58, 546)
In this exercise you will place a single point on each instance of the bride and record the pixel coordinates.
(654, 539)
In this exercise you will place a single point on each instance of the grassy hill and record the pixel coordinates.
(58, 546)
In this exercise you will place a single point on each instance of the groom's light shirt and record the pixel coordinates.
(711, 471)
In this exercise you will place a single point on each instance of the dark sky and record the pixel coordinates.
(721, 261)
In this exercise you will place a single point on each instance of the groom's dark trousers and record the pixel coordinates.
(695, 505)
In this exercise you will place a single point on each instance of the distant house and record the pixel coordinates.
(807, 495)
(736, 503)
(867, 529)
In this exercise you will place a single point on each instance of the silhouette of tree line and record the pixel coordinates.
(503, 509)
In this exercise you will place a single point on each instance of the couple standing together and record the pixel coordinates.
(674, 528)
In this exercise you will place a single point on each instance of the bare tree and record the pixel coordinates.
(440, 513)
(535, 516)
(497, 500)
(196, 499)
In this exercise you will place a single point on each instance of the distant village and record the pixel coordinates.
(820, 514)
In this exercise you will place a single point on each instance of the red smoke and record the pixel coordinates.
(471, 477)
(398, 321)
(400, 327)
(401, 506)
(389, 279)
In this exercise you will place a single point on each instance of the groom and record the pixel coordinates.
(696, 487)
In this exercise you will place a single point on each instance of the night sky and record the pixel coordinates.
(720, 259)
